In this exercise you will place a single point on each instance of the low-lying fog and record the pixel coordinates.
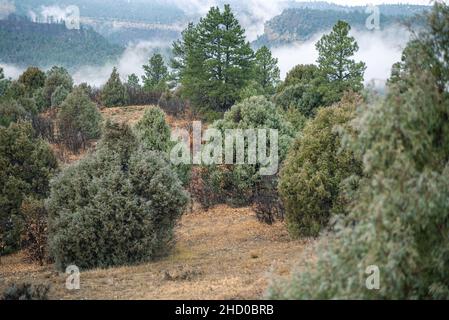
(378, 49)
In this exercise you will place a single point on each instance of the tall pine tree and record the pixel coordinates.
(156, 74)
(266, 71)
(213, 60)
(3, 82)
(341, 72)
(133, 81)
(114, 92)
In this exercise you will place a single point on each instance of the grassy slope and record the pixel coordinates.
(224, 253)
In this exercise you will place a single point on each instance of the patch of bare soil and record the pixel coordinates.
(224, 253)
(130, 115)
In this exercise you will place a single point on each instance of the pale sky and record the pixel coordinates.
(366, 2)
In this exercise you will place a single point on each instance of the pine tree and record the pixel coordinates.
(133, 81)
(3, 83)
(213, 61)
(341, 72)
(156, 74)
(267, 73)
(114, 92)
(187, 64)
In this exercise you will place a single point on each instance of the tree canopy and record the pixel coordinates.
(213, 60)
(114, 92)
(335, 52)
(156, 74)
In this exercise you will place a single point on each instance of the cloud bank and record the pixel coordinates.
(378, 49)
(11, 71)
(252, 14)
(132, 60)
(6, 8)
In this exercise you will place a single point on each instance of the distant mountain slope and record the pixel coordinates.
(25, 43)
(385, 9)
(153, 11)
(300, 24)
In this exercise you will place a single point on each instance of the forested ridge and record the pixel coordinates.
(301, 24)
(27, 43)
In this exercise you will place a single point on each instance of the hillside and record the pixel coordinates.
(232, 260)
(385, 9)
(154, 11)
(27, 43)
(301, 24)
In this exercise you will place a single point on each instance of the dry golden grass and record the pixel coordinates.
(224, 253)
(130, 115)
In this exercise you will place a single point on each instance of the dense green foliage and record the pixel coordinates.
(235, 184)
(26, 165)
(43, 45)
(11, 111)
(32, 93)
(266, 71)
(302, 90)
(302, 73)
(78, 115)
(213, 61)
(58, 78)
(342, 73)
(3, 82)
(114, 92)
(315, 167)
(153, 131)
(301, 24)
(133, 81)
(398, 220)
(156, 74)
(33, 78)
(308, 87)
(117, 206)
(58, 96)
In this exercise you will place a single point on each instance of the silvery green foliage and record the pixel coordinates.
(78, 114)
(117, 206)
(58, 96)
(154, 133)
(258, 113)
(236, 183)
(399, 220)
